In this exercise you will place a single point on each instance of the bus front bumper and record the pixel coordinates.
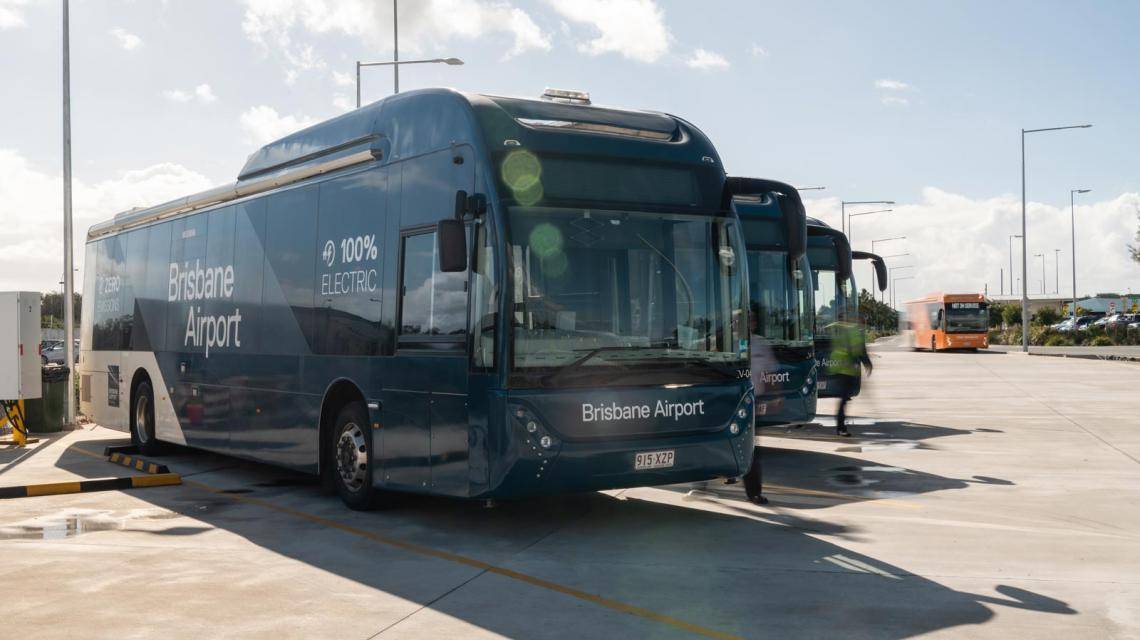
(594, 466)
(792, 407)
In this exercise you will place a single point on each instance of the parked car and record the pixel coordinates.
(1081, 324)
(1121, 320)
(52, 352)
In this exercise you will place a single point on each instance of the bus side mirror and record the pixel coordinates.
(795, 226)
(843, 254)
(451, 245)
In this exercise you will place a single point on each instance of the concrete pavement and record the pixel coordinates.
(985, 495)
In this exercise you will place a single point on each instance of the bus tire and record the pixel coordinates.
(933, 344)
(142, 420)
(350, 459)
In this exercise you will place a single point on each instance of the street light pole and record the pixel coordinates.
(1057, 272)
(395, 48)
(68, 258)
(843, 217)
(894, 300)
(891, 275)
(1011, 237)
(1042, 256)
(1024, 244)
(1073, 232)
(396, 64)
(883, 295)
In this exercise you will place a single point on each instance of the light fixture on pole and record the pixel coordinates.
(1024, 261)
(843, 212)
(396, 65)
(1073, 231)
(863, 213)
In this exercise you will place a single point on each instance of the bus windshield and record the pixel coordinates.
(834, 301)
(613, 290)
(780, 298)
(966, 317)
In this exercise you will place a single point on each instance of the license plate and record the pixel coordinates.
(653, 460)
(822, 386)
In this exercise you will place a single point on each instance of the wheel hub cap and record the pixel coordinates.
(352, 457)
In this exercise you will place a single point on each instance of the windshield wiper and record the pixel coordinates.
(590, 354)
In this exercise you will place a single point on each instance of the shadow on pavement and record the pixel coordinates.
(868, 434)
(745, 570)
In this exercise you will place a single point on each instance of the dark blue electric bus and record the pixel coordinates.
(836, 295)
(780, 304)
(445, 293)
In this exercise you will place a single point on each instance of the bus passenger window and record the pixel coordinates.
(433, 303)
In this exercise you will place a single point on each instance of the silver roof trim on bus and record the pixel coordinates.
(217, 195)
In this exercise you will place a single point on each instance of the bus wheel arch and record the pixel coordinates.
(340, 394)
(141, 413)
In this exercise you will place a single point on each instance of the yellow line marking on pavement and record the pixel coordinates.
(464, 560)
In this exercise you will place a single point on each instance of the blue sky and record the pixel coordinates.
(916, 102)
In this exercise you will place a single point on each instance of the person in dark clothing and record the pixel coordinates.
(848, 353)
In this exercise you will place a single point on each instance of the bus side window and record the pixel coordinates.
(433, 304)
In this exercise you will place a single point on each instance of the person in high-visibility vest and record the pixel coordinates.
(848, 353)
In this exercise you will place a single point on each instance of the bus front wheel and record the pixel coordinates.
(933, 344)
(142, 421)
(351, 454)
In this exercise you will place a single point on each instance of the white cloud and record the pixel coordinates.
(284, 27)
(343, 79)
(202, 93)
(128, 41)
(960, 244)
(33, 204)
(894, 101)
(12, 14)
(891, 85)
(343, 102)
(262, 124)
(756, 51)
(706, 60)
(632, 28)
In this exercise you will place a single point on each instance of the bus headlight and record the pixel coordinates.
(734, 428)
(741, 413)
(546, 442)
(531, 426)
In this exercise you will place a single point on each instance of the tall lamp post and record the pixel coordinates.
(1011, 237)
(1073, 231)
(1042, 256)
(873, 251)
(894, 301)
(68, 258)
(864, 213)
(1024, 261)
(891, 276)
(395, 64)
(1057, 272)
(843, 212)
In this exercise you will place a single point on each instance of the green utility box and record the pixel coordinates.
(47, 413)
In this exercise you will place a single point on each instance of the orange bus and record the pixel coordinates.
(949, 321)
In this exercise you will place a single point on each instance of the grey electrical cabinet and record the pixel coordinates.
(20, 345)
